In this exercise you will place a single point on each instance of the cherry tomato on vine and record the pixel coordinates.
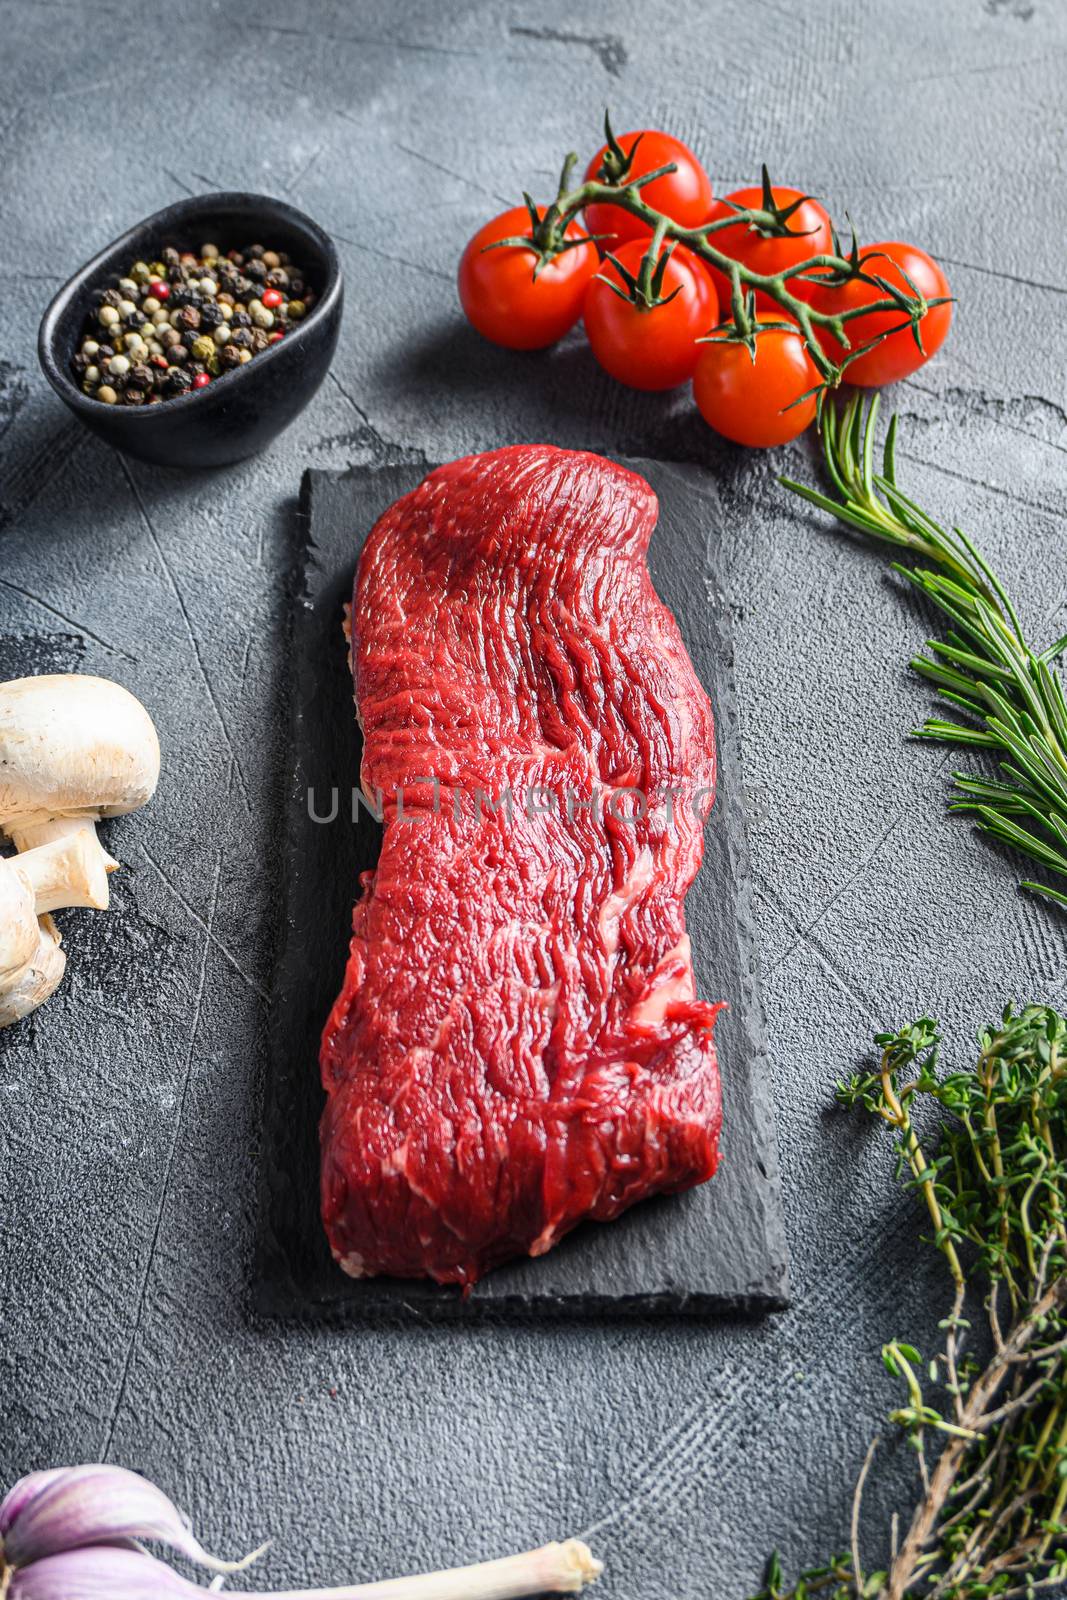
(811, 234)
(650, 346)
(746, 399)
(502, 298)
(685, 195)
(898, 356)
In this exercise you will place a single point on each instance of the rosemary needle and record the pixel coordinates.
(1011, 696)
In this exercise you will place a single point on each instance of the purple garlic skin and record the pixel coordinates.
(101, 1572)
(48, 1513)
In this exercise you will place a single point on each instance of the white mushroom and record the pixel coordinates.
(73, 749)
(18, 923)
(38, 980)
(31, 962)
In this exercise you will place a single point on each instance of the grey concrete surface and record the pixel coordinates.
(128, 1120)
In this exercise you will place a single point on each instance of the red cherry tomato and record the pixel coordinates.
(685, 195)
(651, 347)
(501, 297)
(811, 234)
(747, 400)
(898, 356)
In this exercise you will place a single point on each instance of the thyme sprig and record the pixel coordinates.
(615, 185)
(987, 1414)
(1010, 694)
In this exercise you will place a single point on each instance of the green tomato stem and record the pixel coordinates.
(744, 281)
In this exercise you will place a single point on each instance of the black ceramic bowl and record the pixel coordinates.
(241, 411)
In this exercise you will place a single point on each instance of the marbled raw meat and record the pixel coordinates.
(517, 1046)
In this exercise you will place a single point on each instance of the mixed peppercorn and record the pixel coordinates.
(173, 325)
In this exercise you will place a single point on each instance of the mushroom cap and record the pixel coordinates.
(19, 933)
(73, 745)
(39, 978)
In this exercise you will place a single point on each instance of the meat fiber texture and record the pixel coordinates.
(517, 1046)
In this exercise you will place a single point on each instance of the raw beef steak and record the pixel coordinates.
(517, 1046)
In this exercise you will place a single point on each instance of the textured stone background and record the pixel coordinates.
(127, 1139)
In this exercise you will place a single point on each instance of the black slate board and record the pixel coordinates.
(719, 1248)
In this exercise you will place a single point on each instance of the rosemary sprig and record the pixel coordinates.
(990, 1517)
(1011, 696)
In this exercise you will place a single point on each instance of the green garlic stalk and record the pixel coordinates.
(77, 1533)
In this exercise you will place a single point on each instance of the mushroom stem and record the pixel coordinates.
(70, 871)
(28, 835)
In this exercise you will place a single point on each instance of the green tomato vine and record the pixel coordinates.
(615, 186)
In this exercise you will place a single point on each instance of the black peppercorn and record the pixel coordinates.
(196, 333)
